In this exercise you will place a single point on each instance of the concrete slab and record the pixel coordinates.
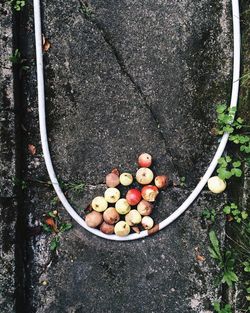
(124, 78)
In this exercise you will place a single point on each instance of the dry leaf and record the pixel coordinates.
(200, 258)
(230, 218)
(32, 149)
(136, 229)
(46, 44)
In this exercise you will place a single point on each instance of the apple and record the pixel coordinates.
(126, 179)
(93, 219)
(122, 206)
(107, 228)
(216, 184)
(111, 216)
(161, 181)
(144, 207)
(133, 196)
(112, 180)
(149, 193)
(99, 204)
(144, 175)
(147, 222)
(133, 218)
(122, 229)
(112, 195)
(145, 160)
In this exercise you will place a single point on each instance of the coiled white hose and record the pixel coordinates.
(44, 138)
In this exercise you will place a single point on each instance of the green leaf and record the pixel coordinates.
(235, 212)
(215, 243)
(236, 164)
(232, 276)
(65, 226)
(213, 253)
(233, 205)
(228, 159)
(223, 173)
(247, 267)
(47, 228)
(236, 172)
(228, 129)
(244, 215)
(54, 244)
(221, 108)
(227, 209)
(216, 306)
(51, 214)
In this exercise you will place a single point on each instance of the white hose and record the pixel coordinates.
(44, 138)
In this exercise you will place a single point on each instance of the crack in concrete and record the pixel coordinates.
(119, 59)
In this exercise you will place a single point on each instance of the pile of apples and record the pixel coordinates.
(112, 213)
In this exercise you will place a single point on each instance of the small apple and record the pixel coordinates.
(112, 180)
(216, 184)
(133, 217)
(107, 228)
(111, 216)
(147, 222)
(161, 181)
(93, 219)
(149, 193)
(122, 229)
(111, 195)
(126, 179)
(99, 204)
(133, 196)
(122, 206)
(144, 207)
(145, 160)
(144, 175)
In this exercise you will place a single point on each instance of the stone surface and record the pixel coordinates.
(130, 77)
(8, 146)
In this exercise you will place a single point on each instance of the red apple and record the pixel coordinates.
(145, 160)
(149, 193)
(133, 196)
(144, 207)
(112, 180)
(93, 219)
(111, 216)
(107, 228)
(161, 181)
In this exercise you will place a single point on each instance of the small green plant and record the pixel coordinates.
(236, 214)
(209, 215)
(225, 120)
(20, 183)
(18, 4)
(227, 168)
(86, 9)
(76, 187)
(246, 266)
(183, 181)
(227, 124)
(55, 225)
(15, 58)
(54, 201)
(225, 262)
(219, 309)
